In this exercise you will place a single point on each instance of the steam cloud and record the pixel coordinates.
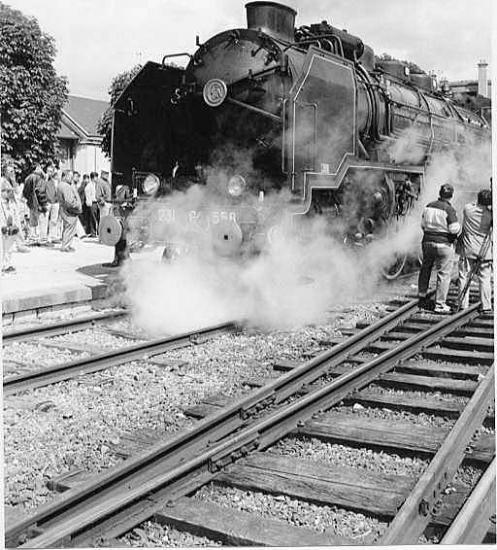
(292, 282)
(299, 275)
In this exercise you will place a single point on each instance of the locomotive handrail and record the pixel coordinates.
(430, 118)
(372, 96)
(167, 56)
(283, 137)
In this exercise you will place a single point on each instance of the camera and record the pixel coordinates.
(10, 230)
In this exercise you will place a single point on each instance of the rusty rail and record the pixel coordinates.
(473, 520)
(417, 510)
(54, 329)
(141, 351)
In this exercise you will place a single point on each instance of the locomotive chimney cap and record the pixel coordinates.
(272, 18)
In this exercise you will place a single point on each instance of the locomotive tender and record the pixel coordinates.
(270, 108)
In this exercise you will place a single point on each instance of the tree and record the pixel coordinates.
(117, 86)
(413, 68)
(31, 93)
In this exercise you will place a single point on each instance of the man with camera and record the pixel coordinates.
(475, 250)
(10, 225)
(70, 209)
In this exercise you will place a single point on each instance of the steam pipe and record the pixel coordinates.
(254, 109)
(313, 40)
(362, 149)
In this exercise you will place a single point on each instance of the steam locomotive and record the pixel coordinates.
(308, 113)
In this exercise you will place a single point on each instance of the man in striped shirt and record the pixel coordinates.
(440, 228)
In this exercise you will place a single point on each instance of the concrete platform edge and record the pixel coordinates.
(68, 295)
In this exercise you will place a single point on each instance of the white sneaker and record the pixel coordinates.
(444, 308)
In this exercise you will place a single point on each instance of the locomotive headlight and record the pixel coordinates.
(150, 184)
(236, 185)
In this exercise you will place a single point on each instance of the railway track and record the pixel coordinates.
(232, 446)
(100, 361)
(62, 327)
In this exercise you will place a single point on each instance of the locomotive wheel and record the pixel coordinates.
(395, 268)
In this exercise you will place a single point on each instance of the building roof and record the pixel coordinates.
(467, 83)
(80, 116)
(463, 83)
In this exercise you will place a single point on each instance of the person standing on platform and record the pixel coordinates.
(76, 182)
(36, 197)
(9, 224)
(473, 258)
(91, 204)
(103, 194)
(70, 209)
(85, 216)
(9, 177)
(440, 230)
(53, 204)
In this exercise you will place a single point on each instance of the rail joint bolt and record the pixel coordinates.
(424, 508)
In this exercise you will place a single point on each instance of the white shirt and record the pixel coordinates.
(90, 193)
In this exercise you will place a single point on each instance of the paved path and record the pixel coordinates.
(48, 277)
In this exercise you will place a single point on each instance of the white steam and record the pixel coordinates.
(298, 275)
(467, 167)
(292, 283)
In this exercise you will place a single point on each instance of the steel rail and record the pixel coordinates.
(416, 512)
(308, 372)
(62, 327)
(230, 418)
(65, 371)
(473, 520)
(113, 495)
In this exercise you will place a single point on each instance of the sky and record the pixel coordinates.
(98, 39)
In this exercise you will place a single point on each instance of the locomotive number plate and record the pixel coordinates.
(169, 216)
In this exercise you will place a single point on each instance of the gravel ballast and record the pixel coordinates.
(341, 455)
(94, 338)
(418, 419)
(151, 534)
(359, 528)
(78, 424)
(34, 356)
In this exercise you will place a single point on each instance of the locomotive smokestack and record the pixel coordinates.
(482, 79)
(272, 18)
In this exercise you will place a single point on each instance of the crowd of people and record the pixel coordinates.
(51, 207)
(444, 236)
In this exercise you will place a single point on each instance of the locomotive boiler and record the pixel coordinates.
(306, 114)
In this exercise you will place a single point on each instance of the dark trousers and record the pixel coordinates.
(440, 257)
(93, 219)
(121, 250)
(84, 218)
